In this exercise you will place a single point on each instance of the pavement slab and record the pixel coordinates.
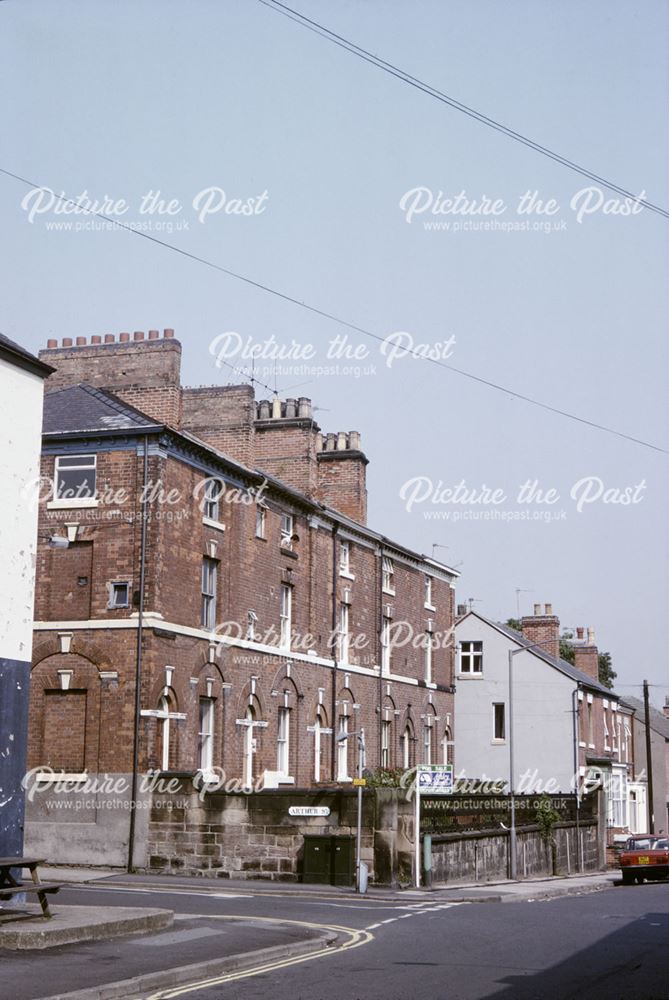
(24, 928)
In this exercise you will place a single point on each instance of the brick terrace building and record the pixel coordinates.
(205, 567)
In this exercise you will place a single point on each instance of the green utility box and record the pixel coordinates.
(329, 860)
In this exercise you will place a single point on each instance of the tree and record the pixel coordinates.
(606, 673)
(566, 648)
(514, 623)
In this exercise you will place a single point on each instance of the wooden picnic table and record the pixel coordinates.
(11, 886)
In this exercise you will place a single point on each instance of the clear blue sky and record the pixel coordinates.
(126, 98)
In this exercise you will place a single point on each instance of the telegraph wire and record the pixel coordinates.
(332, 317)
(388, 67)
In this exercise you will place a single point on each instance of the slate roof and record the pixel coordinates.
(83, 409)
(658, 720)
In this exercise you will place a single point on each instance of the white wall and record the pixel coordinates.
(543, 726)
(20, 442)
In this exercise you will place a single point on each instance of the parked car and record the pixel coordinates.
(645, 857)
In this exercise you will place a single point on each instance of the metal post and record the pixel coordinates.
(417, 830)
(358, 846)
(649, 761)
(512, 833)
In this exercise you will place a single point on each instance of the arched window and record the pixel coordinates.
(249, 745)
(319, 725)
(448, 747)
(407, 747)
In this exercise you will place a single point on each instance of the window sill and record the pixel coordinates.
(591, 746)
(429, 607)
(581, 744)
(51, 777)
(470, 677)
(285, 780)
(345, 781)
(390, 593)
(73, 504)
(210, 523)
(497, 743)
(288, 552)
(346, 574)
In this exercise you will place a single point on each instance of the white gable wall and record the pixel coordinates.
(543, 722)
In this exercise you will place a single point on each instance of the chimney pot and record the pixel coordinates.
(154, 334)
(109, 338)
(264, 410)
(81, 341)
(138, 335)
(67, 341)
(291, 408)
(276, 408)
(51, 344)
(580, 632)
(124, 338)
(96, 339)
(168, 333)
(537, 609)
(354, 440)
(591, 636)
(304, 407)
(462, 610)
(548, 609)
(319, 442)
(330, 442)
(341, 441)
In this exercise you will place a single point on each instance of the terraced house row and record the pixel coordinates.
(210, 597)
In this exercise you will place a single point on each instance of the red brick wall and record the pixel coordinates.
(342, 483)
(222, 416)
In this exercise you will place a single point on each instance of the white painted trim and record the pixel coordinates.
(152, 620)
(210, 523)
(72, 504)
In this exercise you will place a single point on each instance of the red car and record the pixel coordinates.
(645, 858)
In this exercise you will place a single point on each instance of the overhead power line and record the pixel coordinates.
(345, 43)
(332, 317)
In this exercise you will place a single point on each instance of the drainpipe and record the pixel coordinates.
(138, 661)
(333, 738)
(574, 702)
(379, 618)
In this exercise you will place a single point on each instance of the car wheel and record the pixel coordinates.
(627, 878)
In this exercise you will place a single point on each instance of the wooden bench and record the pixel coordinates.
(10, 886)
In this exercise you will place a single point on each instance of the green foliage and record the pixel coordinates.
(385, 777)
(566, 648)
(546, 817)
(514, 623)
(607, 674)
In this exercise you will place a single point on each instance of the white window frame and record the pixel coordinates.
(113, 604)
(427, 741)
(261, 521)
(283, 741)
(211, 505)
(344, 632)
(469, 656)
(344, 558)
(287, 531)
(342, 750)
(496, 716)
(318, 744)
(386, 734)
(206, 735)
(406, 747)
(88, 462)
(249, 746)
(209, 589)
(448, 747)
(428, 657)
(164, 707)
(607, 732)
(428, 603)
(285, 615)
(386, 651)
(388, 576)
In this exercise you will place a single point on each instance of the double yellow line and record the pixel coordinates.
(354, 939)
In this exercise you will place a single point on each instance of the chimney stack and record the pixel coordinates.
(543, 629)
(144, 373)
(586, 654)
